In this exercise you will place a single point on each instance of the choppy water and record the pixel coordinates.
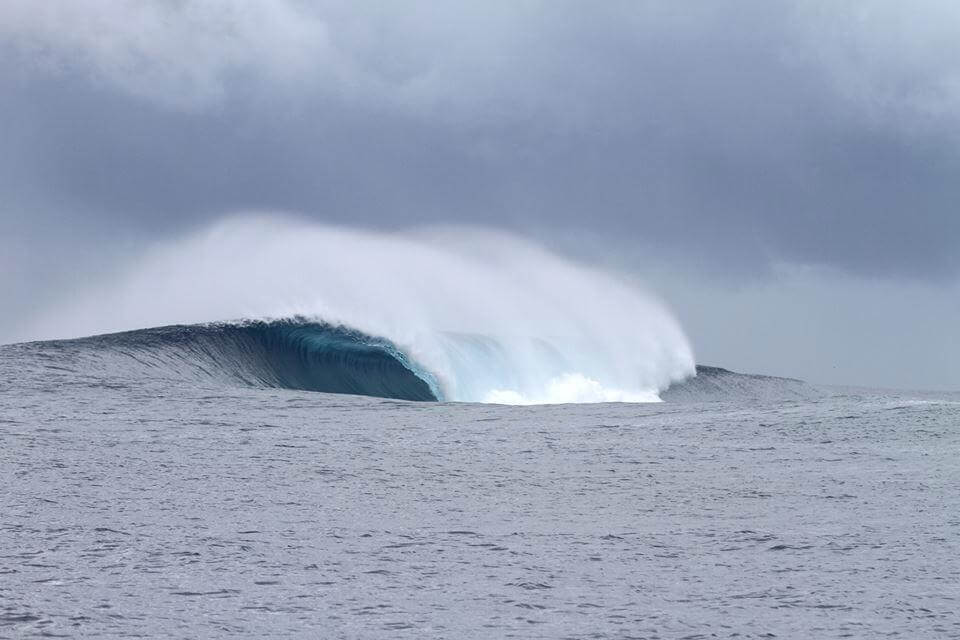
(163, 509)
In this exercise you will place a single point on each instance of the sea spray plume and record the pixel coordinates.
(490, 316)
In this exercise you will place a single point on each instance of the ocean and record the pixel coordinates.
(177, 491)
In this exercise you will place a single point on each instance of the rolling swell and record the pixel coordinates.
(288, 354)
(713, 384)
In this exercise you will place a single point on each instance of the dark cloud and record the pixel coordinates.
(732, 134)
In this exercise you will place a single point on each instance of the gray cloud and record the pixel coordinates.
(766, 132)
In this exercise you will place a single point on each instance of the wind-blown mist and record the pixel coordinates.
(485, 316)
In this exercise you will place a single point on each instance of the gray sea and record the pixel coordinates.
(150, 506)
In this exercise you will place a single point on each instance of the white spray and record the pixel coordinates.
(494, 318)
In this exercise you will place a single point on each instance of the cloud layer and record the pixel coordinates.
(763, 133)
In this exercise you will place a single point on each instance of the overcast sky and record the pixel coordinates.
(785, 174)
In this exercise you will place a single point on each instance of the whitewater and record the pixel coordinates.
(478, 315)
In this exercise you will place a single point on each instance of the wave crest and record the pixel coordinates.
(483, 316)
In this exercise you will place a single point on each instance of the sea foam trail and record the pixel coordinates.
(491, 317)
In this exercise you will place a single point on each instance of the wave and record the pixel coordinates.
(300, 354)
(448, 314)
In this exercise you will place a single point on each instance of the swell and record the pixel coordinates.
(288, 354)
(713, 384)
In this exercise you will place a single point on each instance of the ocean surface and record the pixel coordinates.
(140, 501)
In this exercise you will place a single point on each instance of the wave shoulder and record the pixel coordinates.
(713, 383)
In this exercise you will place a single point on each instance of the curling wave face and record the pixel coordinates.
(286, 354)
(461, 315)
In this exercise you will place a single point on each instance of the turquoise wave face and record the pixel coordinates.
(289, 354)
(332, 359)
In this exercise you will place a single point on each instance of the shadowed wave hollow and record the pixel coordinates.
(286, 354)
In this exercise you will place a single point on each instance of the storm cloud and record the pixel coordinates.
(765, 131)
(739, 137)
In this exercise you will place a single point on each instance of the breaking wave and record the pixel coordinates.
(452, 314)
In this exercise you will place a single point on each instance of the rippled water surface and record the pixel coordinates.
(166, 509)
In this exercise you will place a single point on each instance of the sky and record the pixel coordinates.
(783, 174)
